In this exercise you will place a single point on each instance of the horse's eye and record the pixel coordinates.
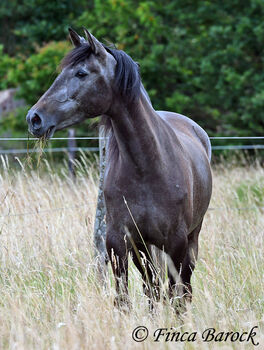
(80, 74)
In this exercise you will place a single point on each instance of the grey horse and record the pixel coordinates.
(158, 182)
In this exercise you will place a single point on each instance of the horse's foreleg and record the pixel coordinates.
(118, 254)
(189, 262)
(177, 252)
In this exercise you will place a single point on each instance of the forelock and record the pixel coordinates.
(77, 55)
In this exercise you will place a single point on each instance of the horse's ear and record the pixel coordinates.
(95, 44)
(76, 39)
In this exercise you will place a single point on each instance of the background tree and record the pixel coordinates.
(200, 58)
(28, 24)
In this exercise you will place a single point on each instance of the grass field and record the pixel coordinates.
(50, 297)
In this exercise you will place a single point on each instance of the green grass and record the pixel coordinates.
(250, 192)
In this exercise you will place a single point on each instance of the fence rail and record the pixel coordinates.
(237, 147)
(236, 138)
(96, 149)
(49, 150)
(54, 138)
(102, 138)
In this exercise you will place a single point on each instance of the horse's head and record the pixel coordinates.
(82, 90)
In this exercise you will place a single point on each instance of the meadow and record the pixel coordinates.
(50, 294)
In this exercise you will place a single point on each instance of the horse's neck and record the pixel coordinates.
(135, 129)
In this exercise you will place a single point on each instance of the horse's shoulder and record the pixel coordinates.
(182, 124)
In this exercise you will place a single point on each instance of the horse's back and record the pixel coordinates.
(186, 127)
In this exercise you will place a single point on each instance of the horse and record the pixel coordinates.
(157, 181)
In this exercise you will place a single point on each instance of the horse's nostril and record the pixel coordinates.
(36, 121)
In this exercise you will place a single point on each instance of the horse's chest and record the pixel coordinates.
(152, 205)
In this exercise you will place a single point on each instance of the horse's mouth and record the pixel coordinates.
(50, 132)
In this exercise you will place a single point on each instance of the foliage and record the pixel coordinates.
(15, 121)
(27, 24)
(35, 75)
(203, 59)
(7, 66)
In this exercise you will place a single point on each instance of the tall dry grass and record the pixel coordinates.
(50, 297)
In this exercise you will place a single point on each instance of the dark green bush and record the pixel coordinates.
(7, 66)
(204, 59)
(35, 74)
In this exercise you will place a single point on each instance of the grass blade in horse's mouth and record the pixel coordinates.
(49, 133)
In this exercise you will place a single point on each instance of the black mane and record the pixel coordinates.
(127, 76)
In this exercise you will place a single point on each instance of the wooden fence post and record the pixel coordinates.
(100, 224)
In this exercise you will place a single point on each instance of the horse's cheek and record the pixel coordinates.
(62, 94)
(74, 89)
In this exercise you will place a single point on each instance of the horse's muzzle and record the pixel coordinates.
(37, 125)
